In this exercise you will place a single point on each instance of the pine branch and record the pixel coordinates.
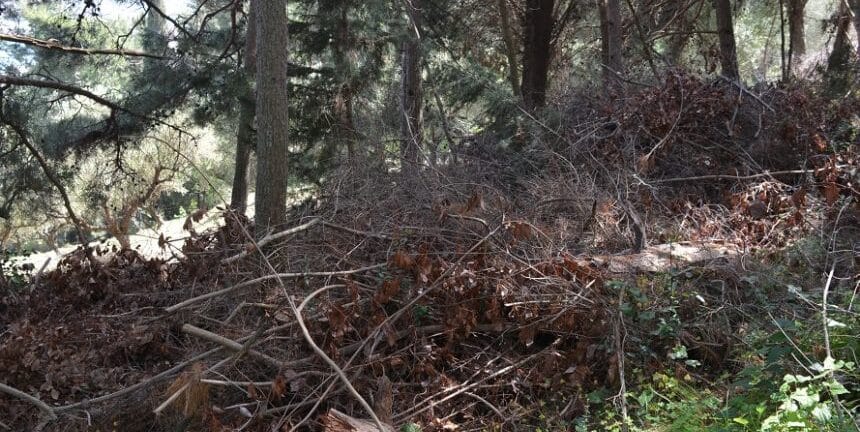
(55, 46)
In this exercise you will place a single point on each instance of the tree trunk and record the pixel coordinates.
(797, 33)
(247, 108)
(838, 74)
(272, 115)
(343, 129)
(154, 20)
(674, 19)
(855, 11)
(410, 100)
(510, 45)
(611, 41)
(726, 33)
(537, 52)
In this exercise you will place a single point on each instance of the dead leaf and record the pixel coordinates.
(402, 260)
(831, 193)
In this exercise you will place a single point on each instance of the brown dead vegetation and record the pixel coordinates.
(478, 299)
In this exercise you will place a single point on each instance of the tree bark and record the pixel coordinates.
(411, 124)
(247, 111)
(272, 115)
(855, 11)
(537, 52)
(837, 76)
(510, 45)
(611, 41)
(343, 129)
(726, 33)
(797, 33)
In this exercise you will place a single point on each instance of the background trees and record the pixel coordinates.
(87, 80)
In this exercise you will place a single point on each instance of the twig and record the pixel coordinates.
(358, 232)
(824, 311)
(278, 276)
(268, 239)
(744, 90)
(737, 177)
(157, 411)
(50, 412)
(414, 412)
(53, 45)
(229, 344)
(316, 293)
(619, 351)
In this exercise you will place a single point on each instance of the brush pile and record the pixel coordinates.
(443, 298)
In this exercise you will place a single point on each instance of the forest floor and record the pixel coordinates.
(454, 299)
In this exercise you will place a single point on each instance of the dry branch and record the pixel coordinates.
(268, 239)
(50, 412)
(277, 276)
(56, 46)
(739, 177)
(229, 344)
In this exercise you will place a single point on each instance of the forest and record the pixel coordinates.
(429, 215)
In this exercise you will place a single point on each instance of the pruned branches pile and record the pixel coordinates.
(447, 297)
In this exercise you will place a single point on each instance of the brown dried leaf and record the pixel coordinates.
(279, 386)
(402, 260)
(798, 198)
(527, 335)
(831, 193)
(476, 201)
(389, 289)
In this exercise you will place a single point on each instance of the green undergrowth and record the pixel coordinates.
(785, 370)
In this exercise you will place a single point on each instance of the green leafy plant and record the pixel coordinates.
(809, 402)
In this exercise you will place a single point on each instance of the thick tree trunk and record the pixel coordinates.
(537, 52)
(510, 45)
(272, 115)
(247, 110)
(726, 33)
(796, 32)
(411, 124)
(611, 41)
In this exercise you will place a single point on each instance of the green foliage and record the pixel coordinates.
(410, 427)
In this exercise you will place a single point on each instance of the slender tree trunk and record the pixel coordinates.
(510, 45)
(154, 23)
(343, 130)
(726, 33)
(611, 41)
(796, 34)
(679, 19)
(272, 115)
(411, 124)
(855, 11)
(247, 109)
(537, 52)
(838, 74)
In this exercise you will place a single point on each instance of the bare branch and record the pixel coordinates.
(18, 81)
(277, 276)
(54, 46)
(32, 399)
